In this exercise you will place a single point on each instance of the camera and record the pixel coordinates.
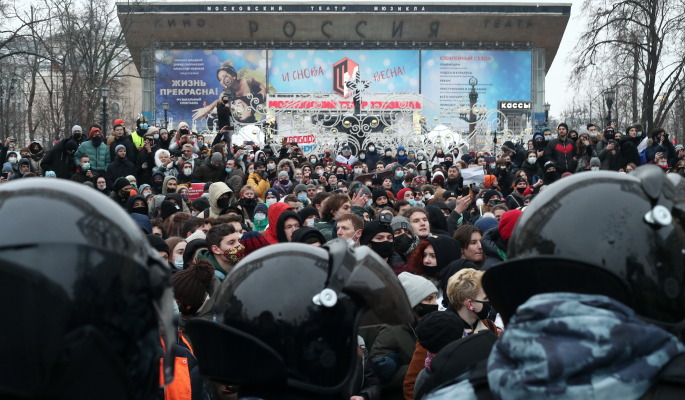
(385, 218)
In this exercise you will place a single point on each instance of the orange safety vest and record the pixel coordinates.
(180, 388)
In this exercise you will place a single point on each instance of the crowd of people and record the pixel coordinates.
(409, 209)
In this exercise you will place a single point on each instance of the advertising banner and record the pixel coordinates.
(446, 75)
(192, 82)
(195, 191)
(328, 71)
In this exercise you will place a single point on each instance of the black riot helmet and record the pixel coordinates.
(287, 317)
(86, 297)
(618, 235)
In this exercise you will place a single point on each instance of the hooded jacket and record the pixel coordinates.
(35, 159)
(59, 161)
(215, 191)
(291, 165)
(402, 160)
(166, 180)
(372, 157)
(99, 156)
(280, 224)
(437, 220)
(275, 212)
(397, 185)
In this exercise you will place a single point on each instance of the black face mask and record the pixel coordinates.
(171, 190)
(383, 249)
(97, 141)
(483, 314)
(520, 189)
(402, 243)
(125, 195)
(223, 203)
(424, 309)
(493, 203)
(341, 177)
(157, 183)
(431, 271)
(551, 174)
(248, 201)
(77, 136)
(139, 210)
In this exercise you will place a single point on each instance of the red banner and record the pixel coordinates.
(195, 191)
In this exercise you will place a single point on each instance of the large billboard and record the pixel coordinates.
(446, 75)
(192, 81)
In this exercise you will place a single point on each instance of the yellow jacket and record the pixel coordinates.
(260, 185)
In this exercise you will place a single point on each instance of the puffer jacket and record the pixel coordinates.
(562, 153)
(260, 185)
(99, 156)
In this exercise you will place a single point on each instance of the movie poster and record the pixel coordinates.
(192, 82)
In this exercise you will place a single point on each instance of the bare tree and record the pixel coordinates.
(639, 42)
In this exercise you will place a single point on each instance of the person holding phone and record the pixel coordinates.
(659, 143)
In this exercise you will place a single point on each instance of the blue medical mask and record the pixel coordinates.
(176, 310)
(639, 134)
(259, 217)
(86, 166)
(399, 174)
(302, 197)
(412, 202)
(143, 126)
(240, 158)
(156, 136)
(178, 263)
(229, 170)
(369, 203)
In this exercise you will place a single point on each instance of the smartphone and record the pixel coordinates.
(250, 143)
(465, 191)
(5, 175)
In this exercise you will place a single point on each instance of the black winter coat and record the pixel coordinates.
(562, 153)
(59, 161)
(131, 151)
(207, 172)
(118, 169)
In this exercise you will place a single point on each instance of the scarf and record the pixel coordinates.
(575, 346)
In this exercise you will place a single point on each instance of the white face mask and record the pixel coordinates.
(388, 153)
(270, 201)
(320, 171)
(187, 171)
(663, 163)
(548, 138)
(194, 213)
(260, 217)
(13, 160)
(357, 170)
(593, 134)
(532, 160)
(594, 168)
(371, 148)
(102, 187)
(310, 222)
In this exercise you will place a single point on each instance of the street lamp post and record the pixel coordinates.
(105, 92)
(165, 106)
(609, 96)
(547, 106)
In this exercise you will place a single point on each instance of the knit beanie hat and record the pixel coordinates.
(283, 174)
(253, 241)
(400, 194)
(438, 329)
(594, 162)
(377, 179)
(416, 287)
(507, 223)
(273, 192)
(372, 229)
(76, 128)
(190, 284)
(564, 125)
(438, 180)
(158, 243)
(120, 184)
(119, 147)
(488, 195)
(93, 130)
(217, 157)
(377, 193)
(487, 223)
(261, 207)
(198, 234)
(299, 188)
(71, 145)
(400, 222)
(87, 183)
(306, 213)
(200, 204)
(169, 209)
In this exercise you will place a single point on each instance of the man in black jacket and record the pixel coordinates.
(60, 159)
(562, 151)
(121, 139)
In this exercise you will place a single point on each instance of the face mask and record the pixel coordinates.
(422, 173)
(270, 167)
(531, 160)
(270, 201)
(362, 157)
(493, 165)
(283, 182)
(310, 222)
(126, 195)
(520, 189)
(229, 170)
(638, 134)
(334, 186)
(594, 134)
(143, 126)
(483, 314)
(184, 196)
(223, 203)
(302, 197)
(136, 210)
(346, 153)
(352, 241)
(594, 168)
(171, 190)
(97, 141)
(402, 243)
(388, 153)
(187, 171)
(86, 166)
(412, 202)
(383, 249)
(371, 148)
(399, 174)
(313, 160)
(420, 158)
(662, 163)
(235, 254)
(157, 183)
(102, 187)
(156, 136)
(548, 138)
(401, 153)
(13, 160)
(550, 174)
(259, 217)
(178, 263)
(427, 196)
(493, 203)
(369, 203)
(77, 136)
(357, 170)
(425, 309)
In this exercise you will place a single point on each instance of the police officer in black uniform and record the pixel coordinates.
(284, 325)
(85, 297)
(593, 294)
